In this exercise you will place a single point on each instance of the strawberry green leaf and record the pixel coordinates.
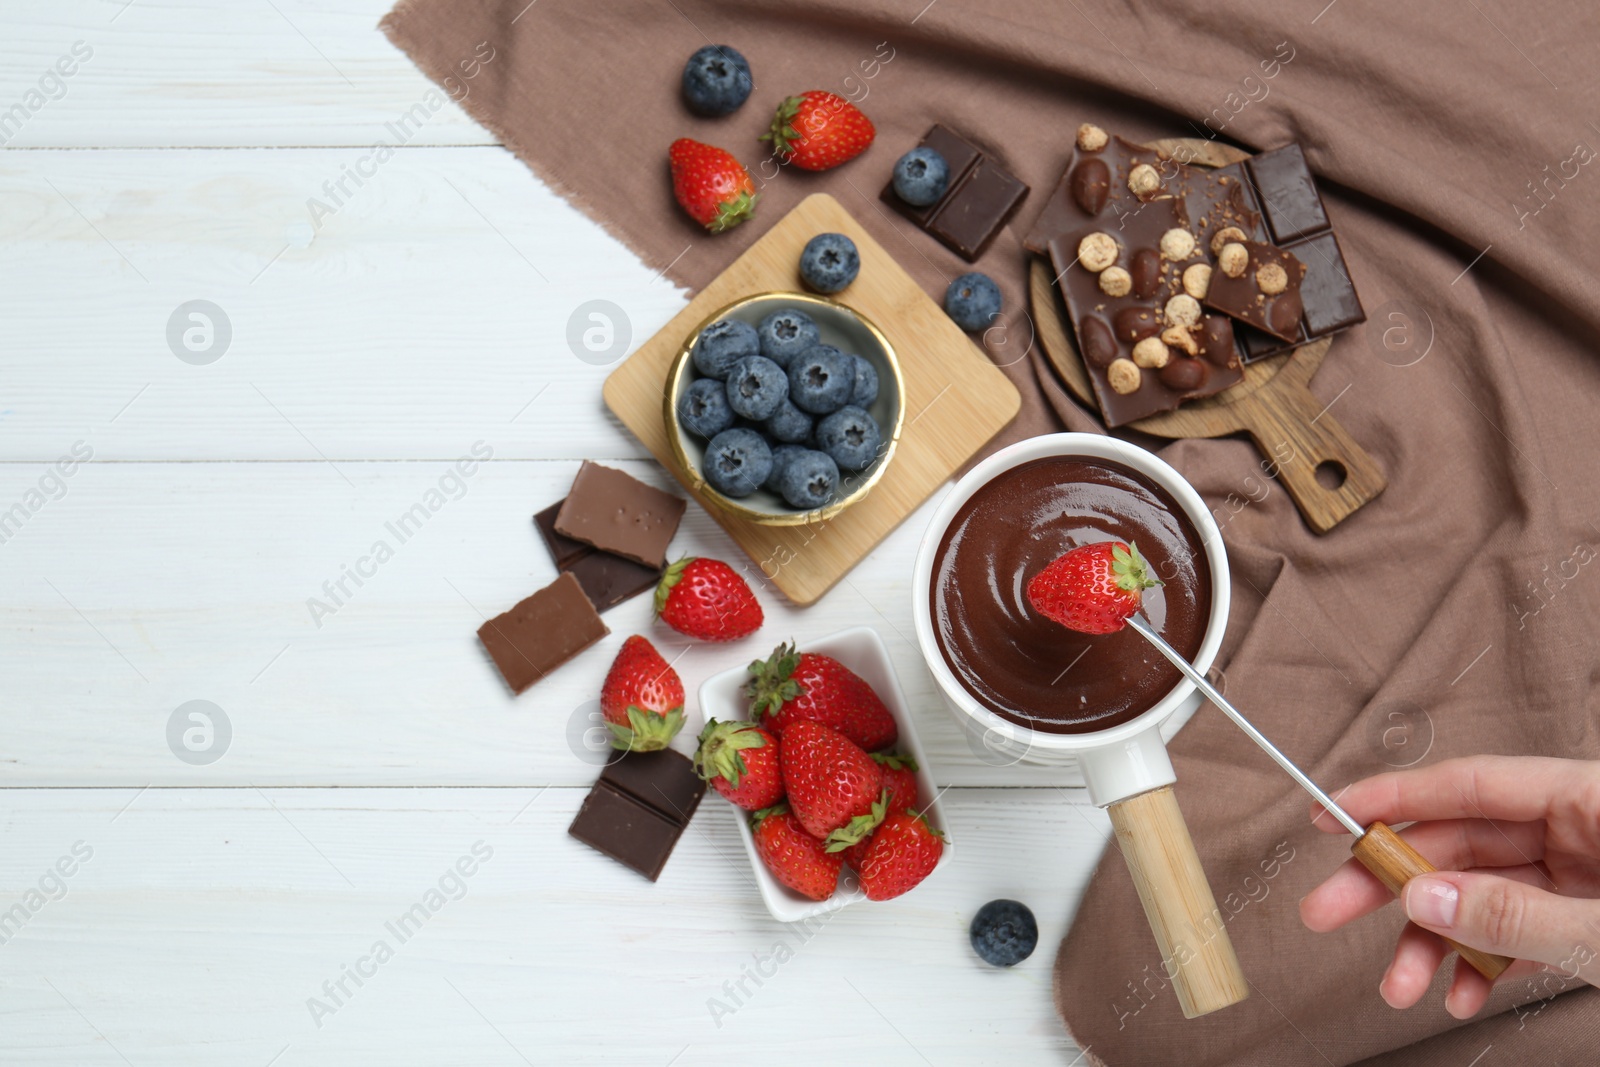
(646, 731)
(669, 578)
(758, 817)
(770, 684)
(859, 828)
(1129, 569)
(720, 744)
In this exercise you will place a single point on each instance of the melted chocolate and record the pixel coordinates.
(1036, 672)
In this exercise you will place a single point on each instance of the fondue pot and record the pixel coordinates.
(1124, 766)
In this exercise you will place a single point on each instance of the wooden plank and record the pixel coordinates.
(221, 74)
(145, 586)
(204, 921)
(938, 363)
(432, 309)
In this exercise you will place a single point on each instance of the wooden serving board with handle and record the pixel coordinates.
(1327, 474)
(956, 399)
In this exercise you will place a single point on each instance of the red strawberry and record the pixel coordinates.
(740, 760)
(794, 857)
(707, 600)
(712, 186)
(642, 698)
(817, 130)
(834, 788)
(900, 781)
(901, 853)
(791, 686)
(1093, 588)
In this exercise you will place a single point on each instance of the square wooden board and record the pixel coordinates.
(956, 398)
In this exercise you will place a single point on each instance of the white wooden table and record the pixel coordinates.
(372, 748)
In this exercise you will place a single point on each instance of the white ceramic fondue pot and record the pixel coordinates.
(1125, 766)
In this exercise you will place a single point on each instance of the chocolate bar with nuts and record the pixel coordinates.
(1258, 284)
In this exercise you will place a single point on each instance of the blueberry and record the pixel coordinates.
(850, 437)
(703, 408)
(1004, 933)
(787, 424)
(737, 462)
(722, 344)
(756, 386)
(866, 384)
(716, 80)
(973, 300)
(785, 334)
(921, 176)
(809, 480)
(780, 459)
(821, 380)
(830, 262)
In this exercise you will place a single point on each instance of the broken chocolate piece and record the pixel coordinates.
(618, 513)
(542, 632)
(607, 579)
(1265, 293)
(979, 201)
(639, 808)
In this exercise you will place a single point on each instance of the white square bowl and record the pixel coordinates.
(862, 650)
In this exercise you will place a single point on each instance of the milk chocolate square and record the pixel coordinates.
(542, 632)
(618, 513)
(608, 579)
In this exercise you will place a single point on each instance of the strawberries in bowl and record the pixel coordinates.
(838, 796)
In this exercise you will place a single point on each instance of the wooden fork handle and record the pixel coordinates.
(1390, 857)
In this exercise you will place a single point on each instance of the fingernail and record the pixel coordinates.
(1431, 902)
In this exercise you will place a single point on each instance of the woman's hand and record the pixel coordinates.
(1524, 835)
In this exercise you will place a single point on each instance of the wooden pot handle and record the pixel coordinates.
(1391, 857)
(1196, 953)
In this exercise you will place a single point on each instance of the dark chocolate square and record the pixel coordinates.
(616, 512)
(1328, 295)
(665, 780)
(542, 632)
(634, 834)
(973, 214)
(1288, 193)
(564, 551)
(959, 155)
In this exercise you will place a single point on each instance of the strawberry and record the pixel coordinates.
(817, 130)
(790, 686)
(740, 760)
(834, 788)
(712, 186)
(707, 600)
(901, 853)
(1093, 588)
(642, 698)
(899, 781)
(794, 857)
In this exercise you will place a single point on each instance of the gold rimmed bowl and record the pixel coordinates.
(847, 330)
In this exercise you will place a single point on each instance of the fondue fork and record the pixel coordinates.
(1382, 851)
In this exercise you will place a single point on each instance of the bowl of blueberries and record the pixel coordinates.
(785, 408)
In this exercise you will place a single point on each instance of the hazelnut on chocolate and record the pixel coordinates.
(1226, 235)
(1143, 180)
(1272, 279)
(1182, 310)
(1151, 353)
(1197, 279)
(1180, 337)
(1114, 281)
(1091, 138)
(1097, 251)
(1233, 260)
(1177, 243)
(1124, 376)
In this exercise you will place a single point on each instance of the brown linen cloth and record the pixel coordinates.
(1454, 615)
